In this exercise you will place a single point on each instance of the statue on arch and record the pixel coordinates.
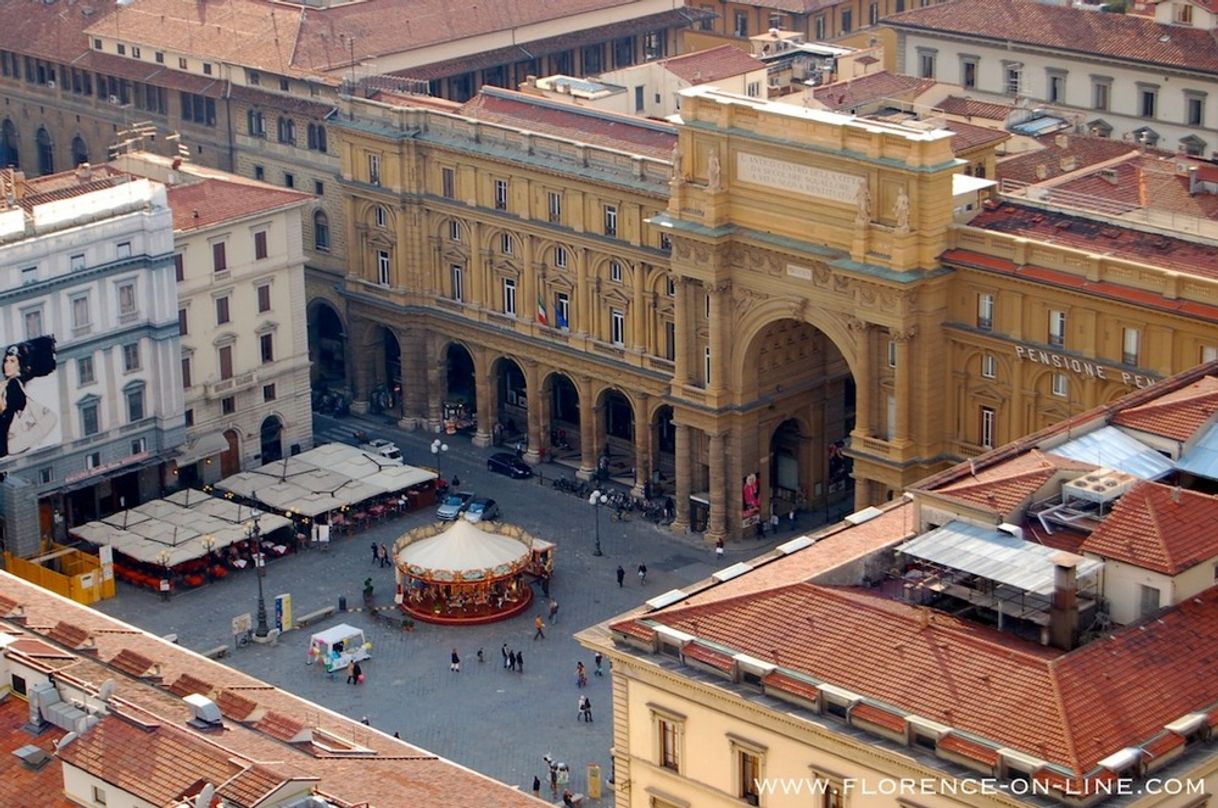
(862, 201)
(714, 180)
(900, 211)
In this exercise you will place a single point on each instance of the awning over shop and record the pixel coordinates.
(204, 446)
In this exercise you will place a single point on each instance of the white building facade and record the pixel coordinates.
(87, 259)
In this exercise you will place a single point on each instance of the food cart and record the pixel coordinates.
(338, 646)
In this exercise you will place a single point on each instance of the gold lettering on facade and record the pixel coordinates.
(800, 179)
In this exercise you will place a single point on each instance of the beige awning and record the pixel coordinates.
(201, 447)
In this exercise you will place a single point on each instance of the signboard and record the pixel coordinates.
(29, 418)
(105, 554)
(243, 624)
(1082, 367)
(283, 612)
(798, 179)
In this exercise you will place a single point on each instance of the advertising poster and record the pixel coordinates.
(29, 398)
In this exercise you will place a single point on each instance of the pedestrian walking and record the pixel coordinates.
(538, 624)
(395, 734)
(504, 651)
(597, 659)
(581, 677)
(791, 519)
(511, 663)
(719, 548)
(621, 576)
(536, 786)
(585, 708)
(376, 552)
(384, 554)
(365, 721)
(545, 584)
(553, 774)
(520, 662)
(455, 664)
(553, 611)
(357, 673)
(642, 573)
(351, 672)
(774, 522)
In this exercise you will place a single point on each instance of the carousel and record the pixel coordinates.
(462, 573)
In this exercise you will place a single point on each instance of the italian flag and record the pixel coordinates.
(541, 312)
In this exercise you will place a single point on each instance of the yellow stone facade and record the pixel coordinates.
(767, 303)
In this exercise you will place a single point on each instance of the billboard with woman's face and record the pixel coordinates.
(29, 392)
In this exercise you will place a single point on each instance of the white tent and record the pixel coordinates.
(463, 552)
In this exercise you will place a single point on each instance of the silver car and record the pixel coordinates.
(482, 510)
(453, 505)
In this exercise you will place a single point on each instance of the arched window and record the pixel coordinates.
(321, 231)
(8, 144)
(80, 151)
(287, 130)
(46, 151)
(317, 137)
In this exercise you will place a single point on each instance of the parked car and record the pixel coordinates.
(509, 464)
(453, 505)
(384, 448)
(482, 510)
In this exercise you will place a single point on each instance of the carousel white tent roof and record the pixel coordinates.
(464, 552)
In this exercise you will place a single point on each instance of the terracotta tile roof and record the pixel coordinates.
(958, 744)
(874, 87)
(186, 684)
(1007, 487)
(8, 606)
(235, 706)
(1164, 743)
(1026, 22)
(878, 716)
(1158, 528)
(131, 663)
(252, 785)
(20, 785)
(595, 127)
(709, 656)
(966, 136)
(52, 31)
(1176, 415)
(777, 680)
(712, 64)
(39, 650)
(280, 726)
(1151, 181)
(1039, 224)
(1070, 709)
(972, 108)
(1061, 155)
(67, 634)
(216, 201)
(634, 629)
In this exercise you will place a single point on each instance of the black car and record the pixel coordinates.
(509, 464)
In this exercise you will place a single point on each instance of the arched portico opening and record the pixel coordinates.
(511, 404)
(327, 345)
(460, 388)
(562, 423)
(386, 394)
(271, 434)
(230, 458)
(615, 458)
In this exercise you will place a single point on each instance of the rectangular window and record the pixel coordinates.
(505, 243)
(509, 296)
(29, 275)
(260, 245)
(926, 64)
(1057, 88)
(219, 257)
(1061, 385)
(126, 301)
(1057, 327)
(268, 392)
(501, 195)
(847, 21)
(1195, 110)
(638, 99)
(139, 446)
(615, 271)
(319, 187)
(448, 183)
(892, 353)
(197, 108)
(617, 327)
(226, 362)
(706, 365)
(1014, 75)
(1100, 92)
(33, 323)
(207, 68)
(741, 27)
(380, 217)
(753, 90)
(610, 220)
(454, 230)
(80, 314)
(1130, 343)
(562, 311)
(987, 428)
(187, 381)
(131, 357)
(84, 371)
(183, 323)
(985, 311)
(99, 795)
(820, 27)
(179, 267)
(266, 348)
(289, 180)
(93, 460)
(77, 262)
(989, 366)
(374, 169)
(264, 298)
(1150, 597)
(123, 249)
(46, 475)
(1209, 353)
(669, 742)
(555, 207)
(222, 314)
(90, 423)
(382, 267)
(1182, 13)
(456, 274)
(135, 405)
(228, 405)
(748, 766)
(670, 340)
(560, 257)
(665, 242)
(1147, 102)
(968, 74)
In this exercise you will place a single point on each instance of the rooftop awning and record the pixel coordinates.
(996, 556)
(207, 445)
(1202, 457)
(1110, 448)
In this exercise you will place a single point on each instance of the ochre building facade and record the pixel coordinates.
(762, 309)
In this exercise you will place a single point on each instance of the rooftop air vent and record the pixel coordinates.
(205, 713)
(1102, 486)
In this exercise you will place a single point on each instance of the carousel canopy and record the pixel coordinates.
(464, 553)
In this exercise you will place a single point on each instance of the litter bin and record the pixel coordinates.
(594, 781)
(342, 603)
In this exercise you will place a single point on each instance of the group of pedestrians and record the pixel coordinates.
(380, 554)
(513, 660)
(621, 575)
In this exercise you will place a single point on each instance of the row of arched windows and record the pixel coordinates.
(10, 156)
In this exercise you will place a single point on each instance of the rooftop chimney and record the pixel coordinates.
(1063, 614)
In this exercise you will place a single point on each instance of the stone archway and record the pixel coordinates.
(460, 403)
(271, 438)
(230, 458)
(386, 394)
(562, 417)
(615, 436)
(511, 403)
(327, 345)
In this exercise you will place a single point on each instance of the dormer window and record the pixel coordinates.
(1182, 13)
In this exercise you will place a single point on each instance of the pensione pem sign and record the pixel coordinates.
(1086, 368)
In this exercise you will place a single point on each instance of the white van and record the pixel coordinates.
(384, 448)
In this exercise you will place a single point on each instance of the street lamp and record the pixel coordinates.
(598, 499)
(438, 448)
(254, 531)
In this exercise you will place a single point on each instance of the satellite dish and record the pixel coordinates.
(203, 800)
(106, 690)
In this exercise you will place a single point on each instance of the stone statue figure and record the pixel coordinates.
(713, 178)
(862, 198)
(678, 176)
(900, 211)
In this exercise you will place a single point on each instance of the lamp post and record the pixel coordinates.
(596, 500)
(254, 531)
(438, 448)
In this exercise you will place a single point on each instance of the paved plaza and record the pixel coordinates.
(491, 720)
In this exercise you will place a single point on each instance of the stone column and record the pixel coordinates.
(436, 385)
(681, 458)
(716, 525)
(414, 380)
(900, 432)
(681, 327)
(587, 429)
(583, 308)
(487, 397)
(362, 374)
(537, 437)
(718, 328)
(642, 445)
(864, 384)
(638, 315)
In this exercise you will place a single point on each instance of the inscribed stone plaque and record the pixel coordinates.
(800, 179)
